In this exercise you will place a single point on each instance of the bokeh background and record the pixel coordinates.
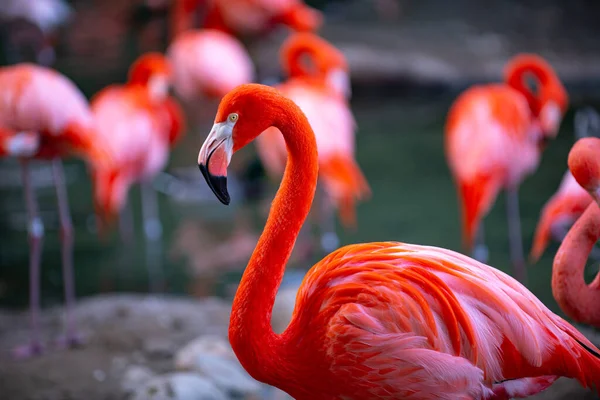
(408, 60)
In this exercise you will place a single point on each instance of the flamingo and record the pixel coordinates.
(139, 123)
(197, 70)
(44, 116)
(245, 17)
(495, 134)
(321, 89)
(571, 200)
(380, 320)
(575, 297)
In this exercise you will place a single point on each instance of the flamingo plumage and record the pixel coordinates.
(380, 320)
(244, 17)
(197, 68)
(321, 89)
(45, 116)
(139, 123)
(494, 138)
(579, 300)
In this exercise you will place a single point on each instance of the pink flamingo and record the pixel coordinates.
(139, 123)
(44, 116)
(575, 297)
(571, 200)
(319, 83)
(380, 320)
(494, 138)
(197, 70)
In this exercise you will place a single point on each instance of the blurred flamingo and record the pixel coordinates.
(495, 134)
(197, 68)
(575, 297)
(139, 123)
(571, 200)
(44, 116)
(244, 17)
(319, 83)
(379, 320)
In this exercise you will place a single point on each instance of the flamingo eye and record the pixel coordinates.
(233, 117)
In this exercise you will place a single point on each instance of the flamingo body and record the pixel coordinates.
(197, 67)
(563, 208)
(491, 144)
(138, 134)
(41, 100)
(382, 320)
(392, 320)
(246, 17)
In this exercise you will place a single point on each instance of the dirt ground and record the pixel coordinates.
(125, 330)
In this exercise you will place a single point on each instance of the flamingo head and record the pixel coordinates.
(306, 55)
(584, 163)
(243, 114)
(535, 78)
(153, 71)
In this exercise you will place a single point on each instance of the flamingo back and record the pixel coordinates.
(40, 99)
(198, 67)
(393, 320)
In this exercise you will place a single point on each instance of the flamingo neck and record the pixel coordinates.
(516, 79)
(576, 298)
(257, 347)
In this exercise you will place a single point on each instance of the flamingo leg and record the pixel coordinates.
(126, 223)
(35, 230)
(153, 236)
(71, 337)
(480, 250)
(329, 238)
(514, 234)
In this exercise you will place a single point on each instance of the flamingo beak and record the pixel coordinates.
(214, 158)
(550, 118)
(339, 80)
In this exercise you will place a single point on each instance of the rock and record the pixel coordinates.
(134, 377)
(185, 359)
(212, 357)
(178, 386)
(158, 348)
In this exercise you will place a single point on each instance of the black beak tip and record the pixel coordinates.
(218, 184)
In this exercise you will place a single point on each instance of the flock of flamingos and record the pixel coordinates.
(382, 320)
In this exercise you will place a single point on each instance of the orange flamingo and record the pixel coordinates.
(244, 17)
(379, 320)
(319, 83)
(139, 123)
(45, 116)
(494, 138)
(570, 201)
(575, 297)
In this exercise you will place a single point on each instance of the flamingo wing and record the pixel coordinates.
(408, 321)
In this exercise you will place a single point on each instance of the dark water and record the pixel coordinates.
(400, 147)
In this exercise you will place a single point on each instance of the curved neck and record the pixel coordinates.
(251, 336)
(577, 299)
(516, 79)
